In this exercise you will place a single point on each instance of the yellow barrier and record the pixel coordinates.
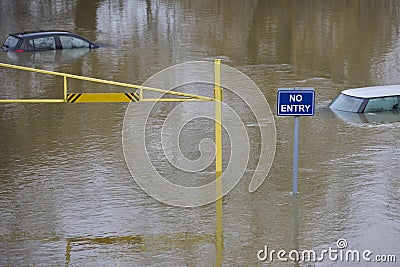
(102, 97)
(132, 96)
(32, 101)
(105, 97)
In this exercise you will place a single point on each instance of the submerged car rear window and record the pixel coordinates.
(73, 42)
(388, 103)
(11, 42)
(347, 103)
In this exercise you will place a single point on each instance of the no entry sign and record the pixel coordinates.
(296, 102)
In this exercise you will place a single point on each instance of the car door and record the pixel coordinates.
(68, 42)
(41, 43)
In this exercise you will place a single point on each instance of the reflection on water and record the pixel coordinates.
(129, 244)
(296, 225)
(53, 56)
(378, 117)
(64, 182)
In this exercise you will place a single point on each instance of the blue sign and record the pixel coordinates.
(296, 102)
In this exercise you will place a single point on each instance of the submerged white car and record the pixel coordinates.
(368, 99)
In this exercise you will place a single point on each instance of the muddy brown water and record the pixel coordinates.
(67, 197)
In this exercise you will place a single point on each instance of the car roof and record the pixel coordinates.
(373, 91)
(37, 33)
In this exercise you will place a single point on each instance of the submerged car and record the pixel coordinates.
(368, 99)
(45, 41)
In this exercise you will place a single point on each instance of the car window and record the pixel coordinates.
(383, 104)
(73, 42)
(347, 103)
(11, 42)
(43, 43)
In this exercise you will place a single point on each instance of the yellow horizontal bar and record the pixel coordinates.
(172, 100)
(102, 97)
(32, 100)
(72, 76)
(178, 93)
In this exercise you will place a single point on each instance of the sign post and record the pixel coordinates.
(296, 102)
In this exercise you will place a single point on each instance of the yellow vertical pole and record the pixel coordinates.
(219, 242)
(218, 119)
(65, 88)
(68, 253)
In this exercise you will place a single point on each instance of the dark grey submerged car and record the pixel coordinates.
(45, 40)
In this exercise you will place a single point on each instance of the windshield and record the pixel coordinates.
(347, 103)
(11, 42)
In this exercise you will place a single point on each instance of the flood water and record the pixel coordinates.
(67, 197)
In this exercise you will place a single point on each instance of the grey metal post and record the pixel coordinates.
(295, 154)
